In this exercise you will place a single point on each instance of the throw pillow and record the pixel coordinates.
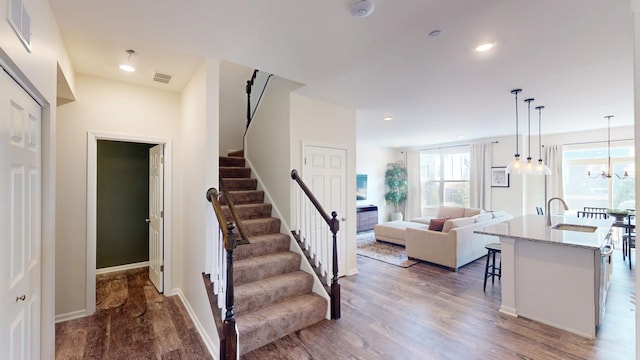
(437, 224)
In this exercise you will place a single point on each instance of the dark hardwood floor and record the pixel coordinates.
(426, 312)
(388, 312)
(132, 321)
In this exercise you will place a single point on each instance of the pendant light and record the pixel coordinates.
(128, 66)
(528, 167)
(608, 173)
(541, 169)
(515, 167)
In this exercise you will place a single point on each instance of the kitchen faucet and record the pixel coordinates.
(549, 208)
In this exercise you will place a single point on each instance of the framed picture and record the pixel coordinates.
(361, 187)
(499, 177)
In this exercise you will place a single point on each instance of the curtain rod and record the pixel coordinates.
(452, 146)
(596, 142)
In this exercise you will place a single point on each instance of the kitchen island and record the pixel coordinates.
(557, 275)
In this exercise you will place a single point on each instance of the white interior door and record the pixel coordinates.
(20, 235)
(325, 172)
(156, 215)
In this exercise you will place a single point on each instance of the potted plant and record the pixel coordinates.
(396, 180)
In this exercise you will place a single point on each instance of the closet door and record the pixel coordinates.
(19, 222)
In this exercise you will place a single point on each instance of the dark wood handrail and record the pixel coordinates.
(228, 341)
(334, 226)
(248, 89)
(212, 197)
(244, 239)
(312, 198)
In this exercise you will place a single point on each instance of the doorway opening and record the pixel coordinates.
(122, 239)
(92, 207)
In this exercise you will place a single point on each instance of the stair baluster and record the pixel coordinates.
(315, 247)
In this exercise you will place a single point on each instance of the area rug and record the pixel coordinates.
(382, 251)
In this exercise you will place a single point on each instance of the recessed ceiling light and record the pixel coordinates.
(435, 33)
(461, 137)
(485, 47)
(387, 118)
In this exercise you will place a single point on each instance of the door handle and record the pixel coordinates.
(147, 220)
(21, 298)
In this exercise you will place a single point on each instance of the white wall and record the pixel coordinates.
(372, 161)
(198, 172)
(107, 107)
(507, 199)
(317, 122)
(233, 105)
(268, 143)
(37, 70)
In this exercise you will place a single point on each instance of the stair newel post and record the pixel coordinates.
(249, 84)
(229, 324)
(335, 287)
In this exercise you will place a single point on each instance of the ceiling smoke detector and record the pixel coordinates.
(362, 8)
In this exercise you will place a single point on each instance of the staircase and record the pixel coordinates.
(273, 297)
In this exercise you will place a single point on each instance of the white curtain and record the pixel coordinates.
(414, 196)
(554, 181)
(480, 176)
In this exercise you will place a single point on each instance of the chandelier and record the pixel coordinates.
(608, 173)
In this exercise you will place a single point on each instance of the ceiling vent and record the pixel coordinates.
(20, 22)
(162, 78)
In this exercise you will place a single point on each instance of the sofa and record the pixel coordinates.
(447, 239)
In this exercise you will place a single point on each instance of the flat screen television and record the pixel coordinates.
(361, 187)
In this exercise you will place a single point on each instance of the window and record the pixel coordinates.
(444, 177)
(581, 190)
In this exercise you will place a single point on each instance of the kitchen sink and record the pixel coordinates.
(573, 227)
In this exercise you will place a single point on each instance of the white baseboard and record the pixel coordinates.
(70, 316)
(122, 267)
(208, 342)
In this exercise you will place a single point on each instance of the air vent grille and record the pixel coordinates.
(162, 78)
(20, 21)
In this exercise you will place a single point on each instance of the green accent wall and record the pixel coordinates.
(123, 203)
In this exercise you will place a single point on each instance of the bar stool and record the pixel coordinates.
(491, 270)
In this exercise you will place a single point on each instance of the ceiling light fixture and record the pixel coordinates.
(435, 33)
(362, 8)
(515, 167)
(528, 169)
(128, 67)
(387, 118)
(541, 169)
(485, 47)
(608, 173)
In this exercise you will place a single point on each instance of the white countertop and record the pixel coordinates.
(534, 228)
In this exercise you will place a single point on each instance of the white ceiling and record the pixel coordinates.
(575, 57)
